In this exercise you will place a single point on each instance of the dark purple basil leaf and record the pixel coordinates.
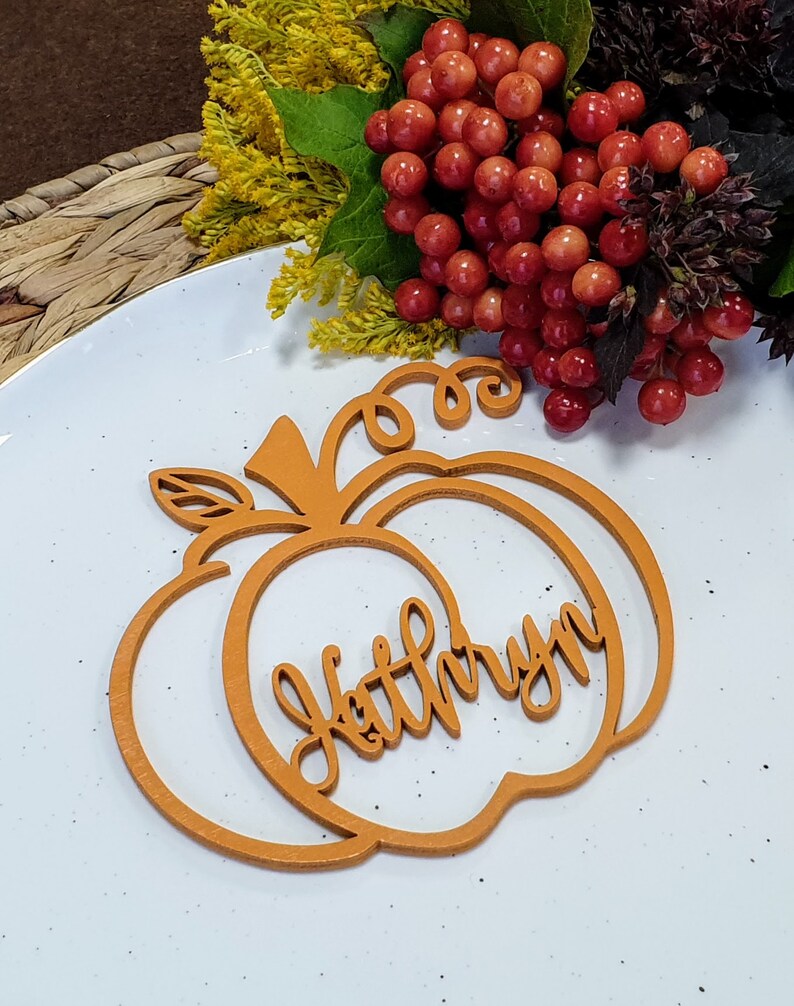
(647, 282)
(617, 351)
(782, 66)
(778, 330)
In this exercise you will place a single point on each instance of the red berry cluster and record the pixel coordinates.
(506, 201)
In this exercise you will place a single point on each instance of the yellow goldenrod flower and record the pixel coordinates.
(267, 193)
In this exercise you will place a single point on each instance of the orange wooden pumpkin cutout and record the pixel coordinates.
(223, 510)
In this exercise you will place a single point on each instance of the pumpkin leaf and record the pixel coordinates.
(330, 126)
(186, 495)
(567, 23)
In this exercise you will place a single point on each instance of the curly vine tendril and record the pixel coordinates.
(498, 395)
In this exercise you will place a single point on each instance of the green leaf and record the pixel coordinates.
(330, 126)
(397, 33)
(784, 284)
(567, 23)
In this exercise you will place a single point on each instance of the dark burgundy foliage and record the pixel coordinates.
(734, 56)
(715, 43)
(778, 331)
(701, 246)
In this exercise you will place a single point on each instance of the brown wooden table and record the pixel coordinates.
(81, 79)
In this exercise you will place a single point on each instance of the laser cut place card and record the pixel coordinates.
(325, 676)
(319, 519)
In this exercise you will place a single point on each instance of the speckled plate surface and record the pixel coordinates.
(666, 878)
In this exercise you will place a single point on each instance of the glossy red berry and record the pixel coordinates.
(623, 245)
(488, 310)
(598, 329)
(454, 166)
(493, 179)
(411, 125)
(416, 300)
(733, 320)
(665, 144)
(519, 347)
(535, 189)
(466, 273)
(402, 215)
(595, 284)
(516, 224)
(622, 149)
(546, 368)
(661, 321)
(541, 150)
(437, 234)
(578, 367)
(628, 98)
(522, 306)
(545, 120)
(524, 264)
(476, 39)
(705, 169)
(446, 35)
(556, 289)
(375, 135)
(580, 165)
(485, 131)
(565, 248)
(651, 351)
(700, 372)
(416, 61)
(690, 332)
(451, 119)
(566, 410)
(453, 74)
(421, 88)
(613, 190)
(404, 174)
(495, 58)
(479, 219)
(496, 259)
(518, 95)
(546, 62)
(661, 401)
(432, 269)
(580, 204)
(457, 311)
(591, 117)
(563, 327)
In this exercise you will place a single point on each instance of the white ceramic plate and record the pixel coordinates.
(666, 878)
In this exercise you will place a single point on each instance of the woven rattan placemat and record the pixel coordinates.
(73, 248)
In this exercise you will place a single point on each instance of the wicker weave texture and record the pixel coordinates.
(73, 248)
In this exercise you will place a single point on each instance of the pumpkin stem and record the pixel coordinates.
(283, 463)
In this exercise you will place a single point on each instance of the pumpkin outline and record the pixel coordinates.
(359, 837)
